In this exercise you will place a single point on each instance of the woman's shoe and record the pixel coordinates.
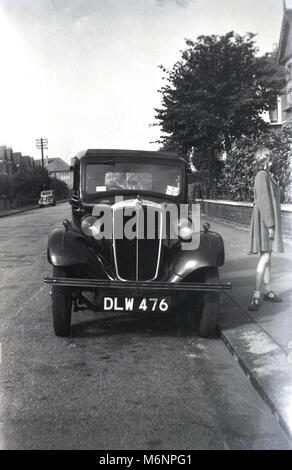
(254, 305)
(272, 297)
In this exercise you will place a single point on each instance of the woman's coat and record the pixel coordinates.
(266, 214)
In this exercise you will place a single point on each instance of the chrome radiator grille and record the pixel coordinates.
(138, 258)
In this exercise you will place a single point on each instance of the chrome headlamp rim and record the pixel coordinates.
(185, 228)
(90, 225)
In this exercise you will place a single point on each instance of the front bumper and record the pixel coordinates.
(137, 285)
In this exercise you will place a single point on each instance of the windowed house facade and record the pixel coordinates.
(283, 113)
(7, 164)
(58, 168)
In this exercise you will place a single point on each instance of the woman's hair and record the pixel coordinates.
(260, 157)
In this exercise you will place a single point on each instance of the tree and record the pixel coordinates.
(60, 187)
(27, 183)
(4, 183)
(240, 166)
(217, 92)
(208, 174)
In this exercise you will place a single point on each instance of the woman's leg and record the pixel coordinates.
(261, 268)
(269, 294)
(267, 277)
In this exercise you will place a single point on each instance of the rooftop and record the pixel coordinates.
(285, 42)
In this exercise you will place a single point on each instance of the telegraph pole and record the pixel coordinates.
(42, 144)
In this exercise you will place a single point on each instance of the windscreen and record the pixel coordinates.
(126, 176)
(46, 193)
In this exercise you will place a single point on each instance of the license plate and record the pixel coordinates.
(137, 304)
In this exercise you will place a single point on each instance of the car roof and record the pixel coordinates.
(95, 153)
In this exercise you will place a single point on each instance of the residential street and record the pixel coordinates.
(116, 382)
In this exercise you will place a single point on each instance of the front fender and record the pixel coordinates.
(209, 253)
(69, 248)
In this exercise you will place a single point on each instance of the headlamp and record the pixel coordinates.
(185, 229)
(90, 226)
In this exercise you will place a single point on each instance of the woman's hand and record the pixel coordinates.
(271, 233)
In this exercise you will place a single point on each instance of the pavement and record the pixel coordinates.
(260, 341)
(6, 213)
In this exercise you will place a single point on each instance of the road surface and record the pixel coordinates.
(116, 382)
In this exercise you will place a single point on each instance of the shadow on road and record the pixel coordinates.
(153, 325)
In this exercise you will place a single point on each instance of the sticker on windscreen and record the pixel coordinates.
(100, 188)
(172, 190)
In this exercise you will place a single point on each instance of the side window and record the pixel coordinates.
(289, 71)
(289, 92)
(289, 82)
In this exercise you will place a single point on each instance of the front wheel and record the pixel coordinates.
(61, 305)
(210, 305)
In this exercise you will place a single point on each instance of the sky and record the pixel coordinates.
(84, 73)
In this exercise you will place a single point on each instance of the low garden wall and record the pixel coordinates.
(239, 213)
(18, 203)
(6, 204)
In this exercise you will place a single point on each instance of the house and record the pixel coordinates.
(58, 168)
(7, 164)
(283, 113)
(22, 161)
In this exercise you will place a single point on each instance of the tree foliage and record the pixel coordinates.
(60, 187)
(217, 92)
(209, 170)
(27, 183)
(240, 165)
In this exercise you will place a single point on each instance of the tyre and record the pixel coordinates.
(188, 310)
(210, 306)
(61, 305)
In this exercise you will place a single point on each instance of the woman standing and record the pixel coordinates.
(265, 230)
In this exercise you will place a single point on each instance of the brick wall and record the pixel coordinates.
(4, 203)
(239, 213)
(287, 224)
(15, 203)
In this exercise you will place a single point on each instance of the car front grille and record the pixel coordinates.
(137, 259)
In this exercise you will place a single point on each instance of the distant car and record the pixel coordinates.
(47, 198)
(121, 252)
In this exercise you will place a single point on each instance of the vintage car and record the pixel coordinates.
(47, 198)
(134, 243)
